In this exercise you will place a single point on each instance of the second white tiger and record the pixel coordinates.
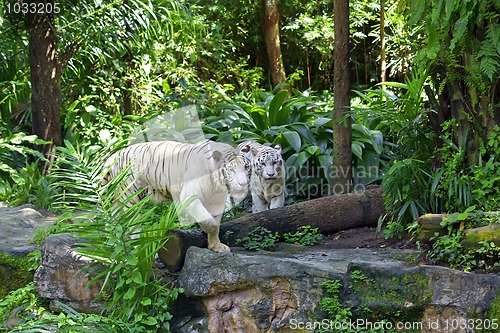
(266, 171)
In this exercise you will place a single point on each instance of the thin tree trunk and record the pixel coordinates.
(128, 86)
(342, 132)
(382, 42)
(271, 33)
(46, 71)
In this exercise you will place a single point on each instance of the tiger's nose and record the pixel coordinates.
(243, 181)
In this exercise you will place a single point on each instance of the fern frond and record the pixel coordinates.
(489, 53)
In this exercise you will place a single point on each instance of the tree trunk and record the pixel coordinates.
(328, 214)
(128, 108)
(342, 131)
(382, 43)
(271, 31)
(46, 71)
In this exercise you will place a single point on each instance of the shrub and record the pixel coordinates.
(306, 236)
(259, 239)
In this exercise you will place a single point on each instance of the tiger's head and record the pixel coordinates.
(232, 168)
(267, 162)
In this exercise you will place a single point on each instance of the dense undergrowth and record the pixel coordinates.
(301, 123)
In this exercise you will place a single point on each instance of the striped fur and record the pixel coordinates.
(168, 170)
(266, 175)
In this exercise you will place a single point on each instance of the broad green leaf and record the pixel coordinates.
(394, 84)
(293, 139)
(129, 294)
(301, 159)
(357, 150)
(304, 132)
(150, 321)
(146, 301)
(275, 107)
(321, 121)
(259, 116)
(378, 141)
(312, 150)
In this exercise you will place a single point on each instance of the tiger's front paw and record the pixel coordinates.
(219, 247)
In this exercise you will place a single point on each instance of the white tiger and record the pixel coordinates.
(266, 171)
(211, 171)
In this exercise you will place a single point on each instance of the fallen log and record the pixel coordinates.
(431, 229)
(473, 237)
(328, 214)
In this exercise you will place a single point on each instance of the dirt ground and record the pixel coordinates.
(364, 238)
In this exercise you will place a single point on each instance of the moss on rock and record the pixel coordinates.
(14, 273)
(389, 294)
(494, 312)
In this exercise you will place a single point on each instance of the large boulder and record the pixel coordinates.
(17, 227)
(280, 292)
(62, 275)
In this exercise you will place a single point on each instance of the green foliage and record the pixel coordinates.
(18, 185)
(123, 244)
(24, 311)
(406, 194)
(458, 185)
(296, 123)
(451, 220)
(331, 303)
(22, 303)
(20, 181)
(263, 239)
(14, 273)
(404, 157)
(30, 186)
(455, 24)
(306, 236)
(485, 257)
(486, 175)
(259, 239)
(339, 315)
(302, 125)
(448, 250)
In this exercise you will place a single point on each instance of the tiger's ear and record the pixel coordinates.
(254, 151)
(217, 156)
(278, 148)
(245, 149)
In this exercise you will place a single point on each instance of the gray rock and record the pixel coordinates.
(261, 292)
(272, 292)
(427, 293)
(62, 275)
(17, 227)
(275, 291)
